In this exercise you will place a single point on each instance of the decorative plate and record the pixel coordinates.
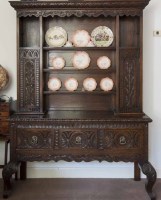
(106, 84)
(71, 84)
(4, 78)
(58, 63)
(102, 36)
(81, 60)
(56, 36)
(103, 62)
(54, 84)
(89, 84)
(81, 38)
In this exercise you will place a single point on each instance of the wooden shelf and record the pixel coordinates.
(81, 92)
(71, 70)
(78, 48)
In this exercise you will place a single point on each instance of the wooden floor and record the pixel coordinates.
(81, 189)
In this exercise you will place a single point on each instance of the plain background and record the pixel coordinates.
(151, 99)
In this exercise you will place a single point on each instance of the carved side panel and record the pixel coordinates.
(29, 74)
(130, 91)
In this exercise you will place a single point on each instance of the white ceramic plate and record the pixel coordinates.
(102, 36)
(81, 60)
(56, 36)
(81, 38)
(106, 84)
(89, 84)
(71, 84)
(54, 84)
(58, 63)
(103, 62)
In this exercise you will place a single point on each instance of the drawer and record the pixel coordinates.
(77, 139)
(34, 139)
(100, 139)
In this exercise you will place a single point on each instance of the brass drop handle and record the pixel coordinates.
(78, 140)
(34, 140)
(123, 140)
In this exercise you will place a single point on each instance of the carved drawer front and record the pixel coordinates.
(122, 139)
(84, 139)
(34, 139)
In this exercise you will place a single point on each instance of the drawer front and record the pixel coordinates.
(34, 139)
(99, 139)
(76, 139)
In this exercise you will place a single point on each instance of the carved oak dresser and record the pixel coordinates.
(80, 125)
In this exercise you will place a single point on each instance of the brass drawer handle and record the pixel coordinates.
(123, 140)
(34, 140)
(78, 140)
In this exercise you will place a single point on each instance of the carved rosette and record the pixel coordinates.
(130, 91)
(29, 86)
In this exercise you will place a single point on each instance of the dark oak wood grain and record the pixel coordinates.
(79, 126)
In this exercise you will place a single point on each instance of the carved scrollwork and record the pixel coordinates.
(79, 13)
(129, 81)
(28, 139)
(29, 70)
(83, 139)
(122, 139)
(77, 158)
(151, 174)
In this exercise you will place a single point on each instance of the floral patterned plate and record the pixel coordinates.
(71, 84)
(54, 84)
(102, 36)
(81, 38)
(106, 84)
(56, 36)
(89, 84)
(81, 60)
(103, 62)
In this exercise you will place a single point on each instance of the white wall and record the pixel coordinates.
(152, 98)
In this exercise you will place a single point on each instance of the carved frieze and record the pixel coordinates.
(29, 86)
(130, 91)
(79, 13)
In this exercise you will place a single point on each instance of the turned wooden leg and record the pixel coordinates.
(136, 171)
(8, 170)
(23, 167)
(150, 172)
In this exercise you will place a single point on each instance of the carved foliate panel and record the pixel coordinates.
(78, 139)
(29, 86)
(122, 139)
(129, 79)
(34, 139)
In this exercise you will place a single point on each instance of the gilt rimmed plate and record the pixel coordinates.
(58, 63)
(71, 84)
(81, 38)
(102, 36)
(56, 36)
(81, 60)
(54, 84)
(103, 62)
(89, 84)
(106, 84)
